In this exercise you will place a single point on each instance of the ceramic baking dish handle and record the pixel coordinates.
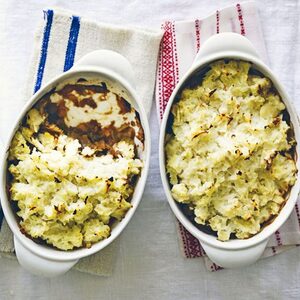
(109, 60)
(235, 258)
(38, 265)
(224, 42)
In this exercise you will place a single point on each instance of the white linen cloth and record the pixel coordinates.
(149, 264)
(180, 44)
(62, 39)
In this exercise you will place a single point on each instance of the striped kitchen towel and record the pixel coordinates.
(179, 46)
(61, 39)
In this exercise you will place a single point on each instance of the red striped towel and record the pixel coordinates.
(180, 44)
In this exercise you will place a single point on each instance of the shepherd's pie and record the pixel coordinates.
(73, 164)
(230, 154)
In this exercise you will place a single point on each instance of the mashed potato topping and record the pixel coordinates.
(230, 155)
(70, 183)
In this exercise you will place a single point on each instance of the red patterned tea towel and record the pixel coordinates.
(181, 42)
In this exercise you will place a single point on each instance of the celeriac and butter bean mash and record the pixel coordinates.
(73, 165)
(230, 156)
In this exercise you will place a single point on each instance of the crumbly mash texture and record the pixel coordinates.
(229, 156)
(66, 195)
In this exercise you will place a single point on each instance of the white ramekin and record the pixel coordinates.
(232, 253)
(44, 260)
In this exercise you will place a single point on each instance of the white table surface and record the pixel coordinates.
(149, 264)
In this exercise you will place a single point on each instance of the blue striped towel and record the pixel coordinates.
(62, 39)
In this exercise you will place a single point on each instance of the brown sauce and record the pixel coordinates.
(90, 133)
(125, 107)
